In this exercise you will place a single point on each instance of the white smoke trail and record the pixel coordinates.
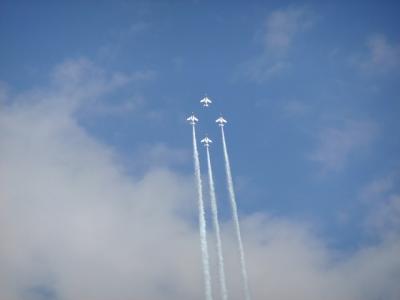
(235, 216)
(214, 210)
(202, 220)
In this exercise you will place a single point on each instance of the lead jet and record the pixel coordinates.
(192, 120)
(206, 101)
(221, 121)
(206, 141)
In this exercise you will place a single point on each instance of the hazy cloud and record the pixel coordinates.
(335, 145)
(382, 56)
(263, 68)
(121, 37)
(382, 199)
(3, 91)
(295, 108)
(282, 27)
(161, 155)
(278, 36)
(377, 188)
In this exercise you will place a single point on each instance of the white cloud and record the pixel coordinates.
(382, 56)
(71, 221)
(290, 263)
(335, 146)
(75, 226)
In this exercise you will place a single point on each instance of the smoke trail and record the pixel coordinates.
(214, 210)
(202, 220)
(235, 216)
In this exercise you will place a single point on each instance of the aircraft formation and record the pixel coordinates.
(206, 141)
(206, 102)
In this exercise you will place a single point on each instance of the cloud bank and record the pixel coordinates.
(75, 226)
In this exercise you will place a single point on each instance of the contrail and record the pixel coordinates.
(235, 215)
(214, 210)
(202, 220)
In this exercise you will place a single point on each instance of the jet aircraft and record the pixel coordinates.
(221, 121)
(206, 141)
(192, 119)
(206, 101)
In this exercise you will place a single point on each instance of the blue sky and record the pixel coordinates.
(310, 90)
